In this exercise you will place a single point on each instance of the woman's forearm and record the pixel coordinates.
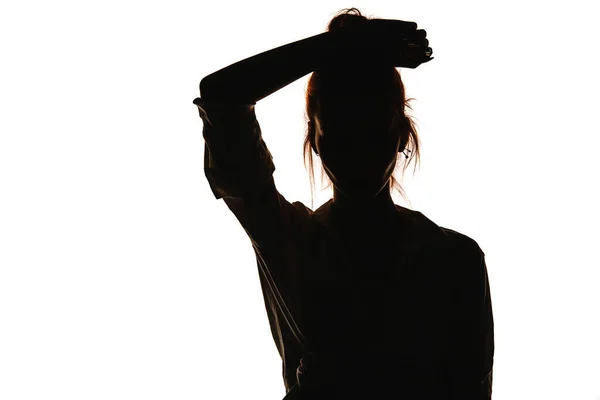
(256, 77)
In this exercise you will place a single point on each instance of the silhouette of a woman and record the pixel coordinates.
(366, 299)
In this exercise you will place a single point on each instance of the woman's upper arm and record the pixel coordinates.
(472, 329)
(237, 161)
(239, 169)
(486, 335)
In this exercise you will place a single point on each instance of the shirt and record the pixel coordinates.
(412, 320)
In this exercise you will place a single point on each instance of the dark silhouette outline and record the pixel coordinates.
(355, 103)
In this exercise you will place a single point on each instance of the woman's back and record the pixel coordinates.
(382, 319)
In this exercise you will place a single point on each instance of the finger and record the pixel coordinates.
(417, 48)
(396, 24)
(415, 36)
(409, 26)
(420, 43)
(417, 55)
(412, 63)
(420, 52)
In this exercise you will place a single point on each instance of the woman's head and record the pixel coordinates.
(356, 123)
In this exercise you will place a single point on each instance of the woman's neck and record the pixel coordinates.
(368, 210)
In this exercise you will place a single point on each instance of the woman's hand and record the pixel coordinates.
(386, 41)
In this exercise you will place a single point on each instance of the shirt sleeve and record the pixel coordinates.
(472, 336)
(237, 162)
(486, 337)
(239, 169)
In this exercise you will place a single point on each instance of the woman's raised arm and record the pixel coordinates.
(256, 77)
(396, 42)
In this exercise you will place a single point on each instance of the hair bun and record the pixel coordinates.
(346, 18)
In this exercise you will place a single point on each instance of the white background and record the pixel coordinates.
(122, 277)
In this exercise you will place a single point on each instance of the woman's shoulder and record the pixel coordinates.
(450, 236)
(459, 257)
(422, 228)
(456, 249)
